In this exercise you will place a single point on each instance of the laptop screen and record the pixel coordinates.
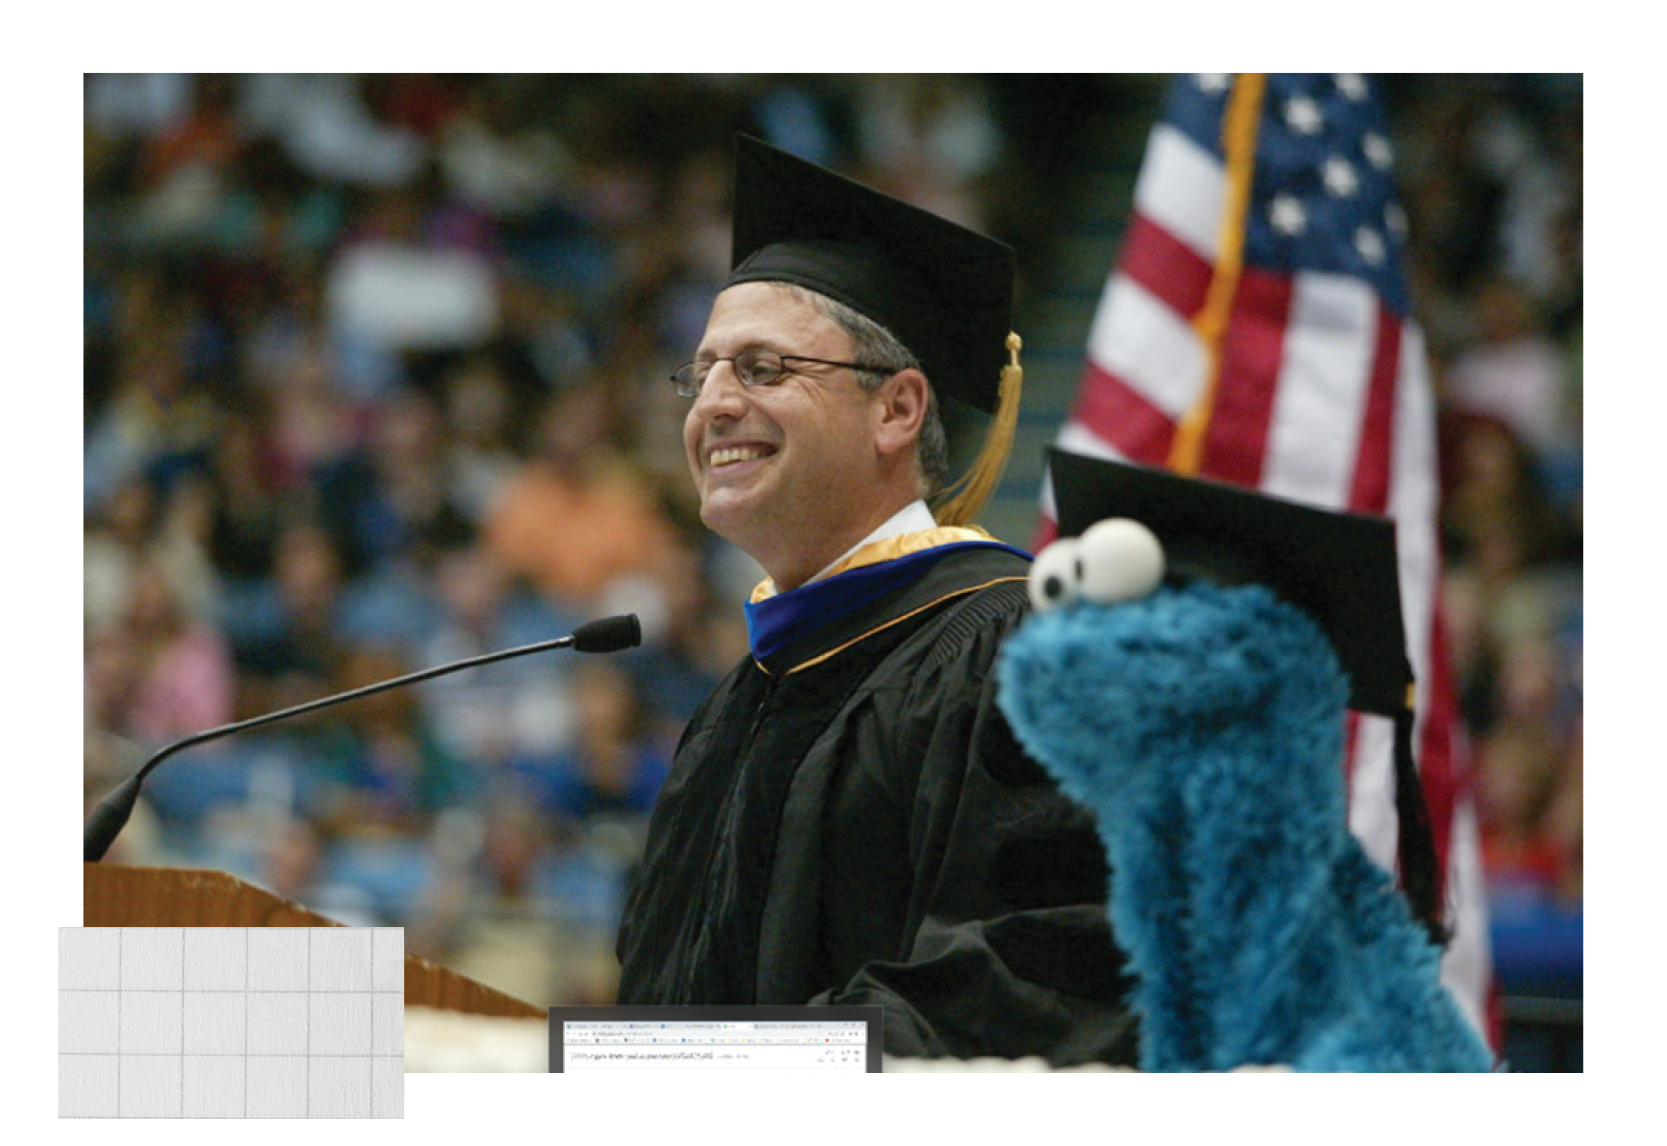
(841, 1039)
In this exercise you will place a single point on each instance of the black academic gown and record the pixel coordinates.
(851, 821)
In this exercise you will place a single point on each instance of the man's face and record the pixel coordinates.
(786, 472)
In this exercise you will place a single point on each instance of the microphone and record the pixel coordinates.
(608, 635)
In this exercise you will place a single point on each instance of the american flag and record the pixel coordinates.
(1256, 329)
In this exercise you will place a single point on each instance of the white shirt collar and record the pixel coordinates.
(912, 518)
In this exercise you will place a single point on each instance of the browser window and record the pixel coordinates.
(827, 1039)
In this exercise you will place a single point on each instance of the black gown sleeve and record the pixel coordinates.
(1004, 947)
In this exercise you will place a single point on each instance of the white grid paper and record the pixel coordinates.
(231, 1022)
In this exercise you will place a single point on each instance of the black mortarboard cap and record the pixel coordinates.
(1339, 568)
(945, 291)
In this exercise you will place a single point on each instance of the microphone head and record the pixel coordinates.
(109, 818)
(609, 635)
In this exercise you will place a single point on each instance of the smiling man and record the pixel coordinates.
(848, 819)
(763, 454)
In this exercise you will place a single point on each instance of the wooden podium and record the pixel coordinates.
(116, 896)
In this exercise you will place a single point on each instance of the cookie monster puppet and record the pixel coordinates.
(1185, 677)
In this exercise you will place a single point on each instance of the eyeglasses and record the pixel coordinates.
(757, 368)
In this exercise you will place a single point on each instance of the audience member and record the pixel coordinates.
(183, 680)
(487, 916)
(1513, 371)
(576, 518)
(518, 710)
(382, 769)
(615, 764)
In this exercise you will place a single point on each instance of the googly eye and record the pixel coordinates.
(1056, 575)
(1121, 560)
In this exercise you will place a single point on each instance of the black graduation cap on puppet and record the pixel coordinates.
(1339, 568)
(945, 291)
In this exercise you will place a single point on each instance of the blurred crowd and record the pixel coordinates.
(1491, 175)
(375, 379)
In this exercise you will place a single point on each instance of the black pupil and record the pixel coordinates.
(1053, 587)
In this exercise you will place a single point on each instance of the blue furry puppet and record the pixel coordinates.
(1204, 726)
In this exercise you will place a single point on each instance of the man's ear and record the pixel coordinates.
(900, 411)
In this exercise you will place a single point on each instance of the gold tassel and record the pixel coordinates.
(964, 498)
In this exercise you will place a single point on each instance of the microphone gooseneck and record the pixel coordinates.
(608, 635)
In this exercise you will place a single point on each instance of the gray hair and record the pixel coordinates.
(874, 344)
